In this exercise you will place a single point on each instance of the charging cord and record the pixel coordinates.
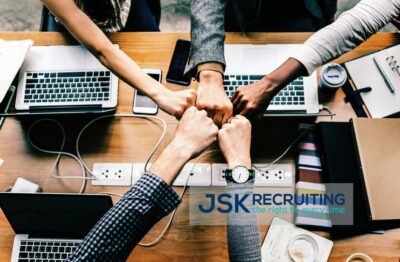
(59, 153)
(78, 157)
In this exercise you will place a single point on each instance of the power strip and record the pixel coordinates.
(114, 174)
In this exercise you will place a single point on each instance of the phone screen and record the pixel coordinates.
(178, 63)
(143, 102)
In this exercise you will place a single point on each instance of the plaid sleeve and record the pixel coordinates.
(125, 224)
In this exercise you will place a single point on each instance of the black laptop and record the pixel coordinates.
(49, 227)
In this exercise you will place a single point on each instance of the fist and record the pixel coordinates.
(195, 131)
(234, 140)
(212, 98)
(176, 103)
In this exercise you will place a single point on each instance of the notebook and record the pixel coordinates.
(12, 54)
(378, 146)
(364, 72)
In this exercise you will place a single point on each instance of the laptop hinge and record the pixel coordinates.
(65, 108)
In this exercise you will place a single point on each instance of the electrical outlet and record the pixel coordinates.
(112, 174)
(201, 175)
(279, 175)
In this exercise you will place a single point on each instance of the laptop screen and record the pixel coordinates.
(53, 215)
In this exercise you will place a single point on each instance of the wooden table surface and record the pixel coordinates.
(130, 141)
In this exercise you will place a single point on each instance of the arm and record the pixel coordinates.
(151, 198)
(207, 59)
(347, 32)
(243, 235)
(89, 35)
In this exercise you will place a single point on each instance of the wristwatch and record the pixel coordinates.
(239, 174)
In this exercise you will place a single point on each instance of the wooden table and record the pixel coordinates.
(130, 140)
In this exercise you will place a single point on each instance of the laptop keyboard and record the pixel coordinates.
(292, 94)
(59, 87)
(46, 251)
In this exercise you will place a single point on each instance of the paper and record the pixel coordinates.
(12, 55)
(363, 71)
(280, 232)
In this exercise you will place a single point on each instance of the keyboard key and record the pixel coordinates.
(31, 86)
(107, 73)
(71, 74)
(32, 81)
(256, 77)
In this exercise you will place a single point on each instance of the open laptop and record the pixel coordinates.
(65, 77)
(49, 227)
(249, 63)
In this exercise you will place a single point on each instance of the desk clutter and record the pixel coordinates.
(363, 152)
(375, 94)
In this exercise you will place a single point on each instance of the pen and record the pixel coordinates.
(385, 77)
(12, 90)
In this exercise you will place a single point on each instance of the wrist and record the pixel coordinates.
(210, 76)
(181, 150)
(245, 161)
(159, 93)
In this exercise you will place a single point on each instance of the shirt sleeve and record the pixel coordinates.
(207, 33)
(126, 223)
(243, 233)
(347, 32)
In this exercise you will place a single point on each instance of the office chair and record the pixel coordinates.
(48, 23)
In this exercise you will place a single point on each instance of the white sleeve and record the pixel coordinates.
(348, 31)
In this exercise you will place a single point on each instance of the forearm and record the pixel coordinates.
(243, 232)
(171, 161)
(130, 72)
(290, 70)
(88, 34)
(348, 31)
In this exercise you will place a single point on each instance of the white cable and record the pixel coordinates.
(121, 115)
(158, 239)
(109, 194)
(59, 153)
(284, 152)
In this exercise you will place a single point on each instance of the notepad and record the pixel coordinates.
(364, 72)
(12, 55)
(378, 145)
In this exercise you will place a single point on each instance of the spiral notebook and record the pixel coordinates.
(379, 71)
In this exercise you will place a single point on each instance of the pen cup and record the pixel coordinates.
(333, 76)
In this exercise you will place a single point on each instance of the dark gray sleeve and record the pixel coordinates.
(243, 232)
(328, 8)
(207, 33)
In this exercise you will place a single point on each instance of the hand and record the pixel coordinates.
(195, 131)
(176, 103)
(211, 97)
(234, 140)
(252, 100)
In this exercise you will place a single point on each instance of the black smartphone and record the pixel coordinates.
(178, 63)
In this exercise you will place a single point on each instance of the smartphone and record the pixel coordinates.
(143, 104)
(178, 63)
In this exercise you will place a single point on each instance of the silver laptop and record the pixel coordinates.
(61, 77)
(50, 227)
(249, 63)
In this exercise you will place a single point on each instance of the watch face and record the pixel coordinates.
(240, 174)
